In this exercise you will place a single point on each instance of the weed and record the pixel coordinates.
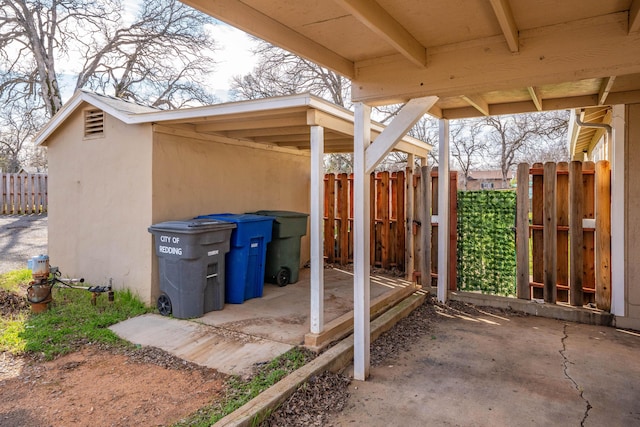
(12, 280)
(241, 391)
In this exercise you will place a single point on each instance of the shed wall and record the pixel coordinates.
(100, 204)
(195, 175)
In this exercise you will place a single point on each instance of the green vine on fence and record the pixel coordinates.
(486, 242)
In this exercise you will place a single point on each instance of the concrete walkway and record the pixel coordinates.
(236, 338)
(488, 370)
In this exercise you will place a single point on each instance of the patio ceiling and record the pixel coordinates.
(480, 57)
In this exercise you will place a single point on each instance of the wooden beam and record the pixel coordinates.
(252, 21)
(397, 129)
(232, 125)
(502, 10)
(315, 117)
(535, 97)
(634, 16)
(605, 88)
(553, 54)
(361, 244)
(378, 20)
(477, 102)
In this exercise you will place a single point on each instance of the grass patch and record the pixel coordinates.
(70, 322)
(239, 391)
(12, 280)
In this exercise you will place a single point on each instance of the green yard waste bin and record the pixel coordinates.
(283, 252)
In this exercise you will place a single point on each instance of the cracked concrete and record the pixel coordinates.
(489, 370)
(565, 365)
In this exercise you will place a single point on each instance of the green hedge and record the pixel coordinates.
(486, 242)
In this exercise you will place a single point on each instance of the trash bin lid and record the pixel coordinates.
(237, 218)
(197, 225)
(282, 214)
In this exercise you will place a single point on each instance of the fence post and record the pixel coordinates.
(522, 232)
(425, 229)
(550, 232)
(409, 244)
(603, 235)
(576, 206)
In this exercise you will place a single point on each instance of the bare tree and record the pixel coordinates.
(17, 126)
(161, 58)
(511, 137)
(279, 72)
(467, 146)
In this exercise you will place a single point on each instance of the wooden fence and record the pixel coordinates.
(564, 217)
(397, 215)
(23, 193)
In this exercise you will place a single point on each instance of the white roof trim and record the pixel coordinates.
(263, 104)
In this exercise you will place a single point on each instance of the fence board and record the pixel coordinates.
(522, 233)
(409, 218)
(576, 262)
(562, 213)
(329, 216)
(536, 234)
(426, 229)
(343, 217)
(23, 193)
(550, 233)
(588, 234)
(603, 235)
(400, 231)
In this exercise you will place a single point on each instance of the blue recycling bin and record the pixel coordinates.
(245, 261)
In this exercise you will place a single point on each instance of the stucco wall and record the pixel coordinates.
(193, 176)
(632, 224)
(100, 203)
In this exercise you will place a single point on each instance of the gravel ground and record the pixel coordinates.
(21, 237)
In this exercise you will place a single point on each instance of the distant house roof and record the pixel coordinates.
(487, 175)
(283, 121)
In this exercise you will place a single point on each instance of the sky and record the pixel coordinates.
(233, 57)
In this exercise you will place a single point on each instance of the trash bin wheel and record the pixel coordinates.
(164, 305)
(283, 277)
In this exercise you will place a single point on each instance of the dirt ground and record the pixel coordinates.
(97, 387)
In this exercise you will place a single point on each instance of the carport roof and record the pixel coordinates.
(480, 57)
(279, 121)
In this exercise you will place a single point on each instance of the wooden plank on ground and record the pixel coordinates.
(603, 235)
(522, 233)
(550, 233)
(576, 208)
(343, 325)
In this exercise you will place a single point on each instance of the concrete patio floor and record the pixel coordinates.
(488, 370)
(234, 339)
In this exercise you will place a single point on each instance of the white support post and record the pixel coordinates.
(316, 228)
(443, 210)
(361, 241)
(616, 145)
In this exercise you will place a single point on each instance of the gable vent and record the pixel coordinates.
(93, 123)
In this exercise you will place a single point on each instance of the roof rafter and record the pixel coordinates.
(634, 16)
(502, 10)
(477, 102)
(378, 20)
(605, 88)
(535, 97)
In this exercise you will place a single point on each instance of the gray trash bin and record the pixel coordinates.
(191, 256)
